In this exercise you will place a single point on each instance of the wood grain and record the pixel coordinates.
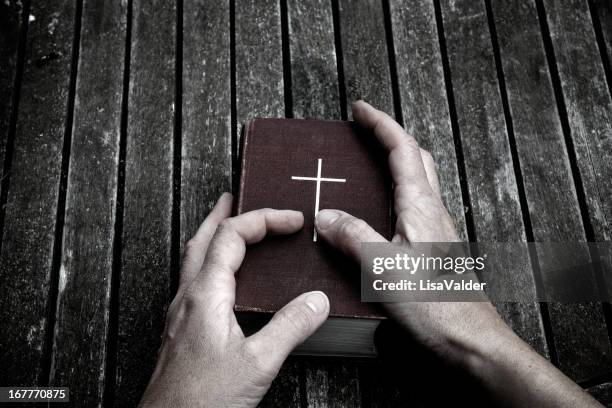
(82, 317)
(259, 60)
(365, 58)
(314, 72)
(145, 283)
(33, 262)
(260, 93)
(32, 203)
(422, 89)
(11, 16)
(206, 139)
(494, 196)
(603, 12)
(589, 107)
(332, 383)
(580, 337)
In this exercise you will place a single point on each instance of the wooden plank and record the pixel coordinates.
(11, 15)
(332, 383)
(79, 348)
(603, 12)
(494, 196)
(602, 393)
(259, 60)
(365, 58)
(206, 164)
(145, 286)
(588, 104)
(260, 93)
(580, 337)
(422, 88)
(314, 73)
(32, 203)
(315, 94)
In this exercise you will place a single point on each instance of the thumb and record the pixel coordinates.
(345, 232)
(289, 327)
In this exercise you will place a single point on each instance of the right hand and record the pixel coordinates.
(470, 335)
(446, 328)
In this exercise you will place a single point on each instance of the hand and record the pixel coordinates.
(468, 335)
(446, 328)
(205, 360)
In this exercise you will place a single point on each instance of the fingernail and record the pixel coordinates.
(361, 103)
(325, 218)
(225, 196)
(317, 302)
(355, 105)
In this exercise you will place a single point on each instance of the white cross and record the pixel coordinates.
(318, 179)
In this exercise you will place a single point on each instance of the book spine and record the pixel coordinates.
(244, 140)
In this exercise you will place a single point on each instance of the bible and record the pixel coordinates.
(309, 165)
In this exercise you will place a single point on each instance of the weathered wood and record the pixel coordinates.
(259, 60)
(11, 16)
(32, 203)
(284, 391)
(27, 263)
(580, 336)
(206, 139)
(602, 393)
(314, 73)
(79, 348)
(365, 58)
(260, 93)
(315, 94)
(332, 383)
(145, 284)
(422, 88)
(588, 104)
(494, 196)
(603, 12)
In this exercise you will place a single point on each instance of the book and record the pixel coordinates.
(309, 165)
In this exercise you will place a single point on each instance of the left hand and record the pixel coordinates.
(205, 360)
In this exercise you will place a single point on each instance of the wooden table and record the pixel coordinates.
(118, 131)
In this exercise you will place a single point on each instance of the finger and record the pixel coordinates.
(430, 171)
(289, 327)
(405, 162)
(345, 232)
(195, 248)
(215, 282)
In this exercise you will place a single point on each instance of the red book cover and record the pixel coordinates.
(309, 165)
